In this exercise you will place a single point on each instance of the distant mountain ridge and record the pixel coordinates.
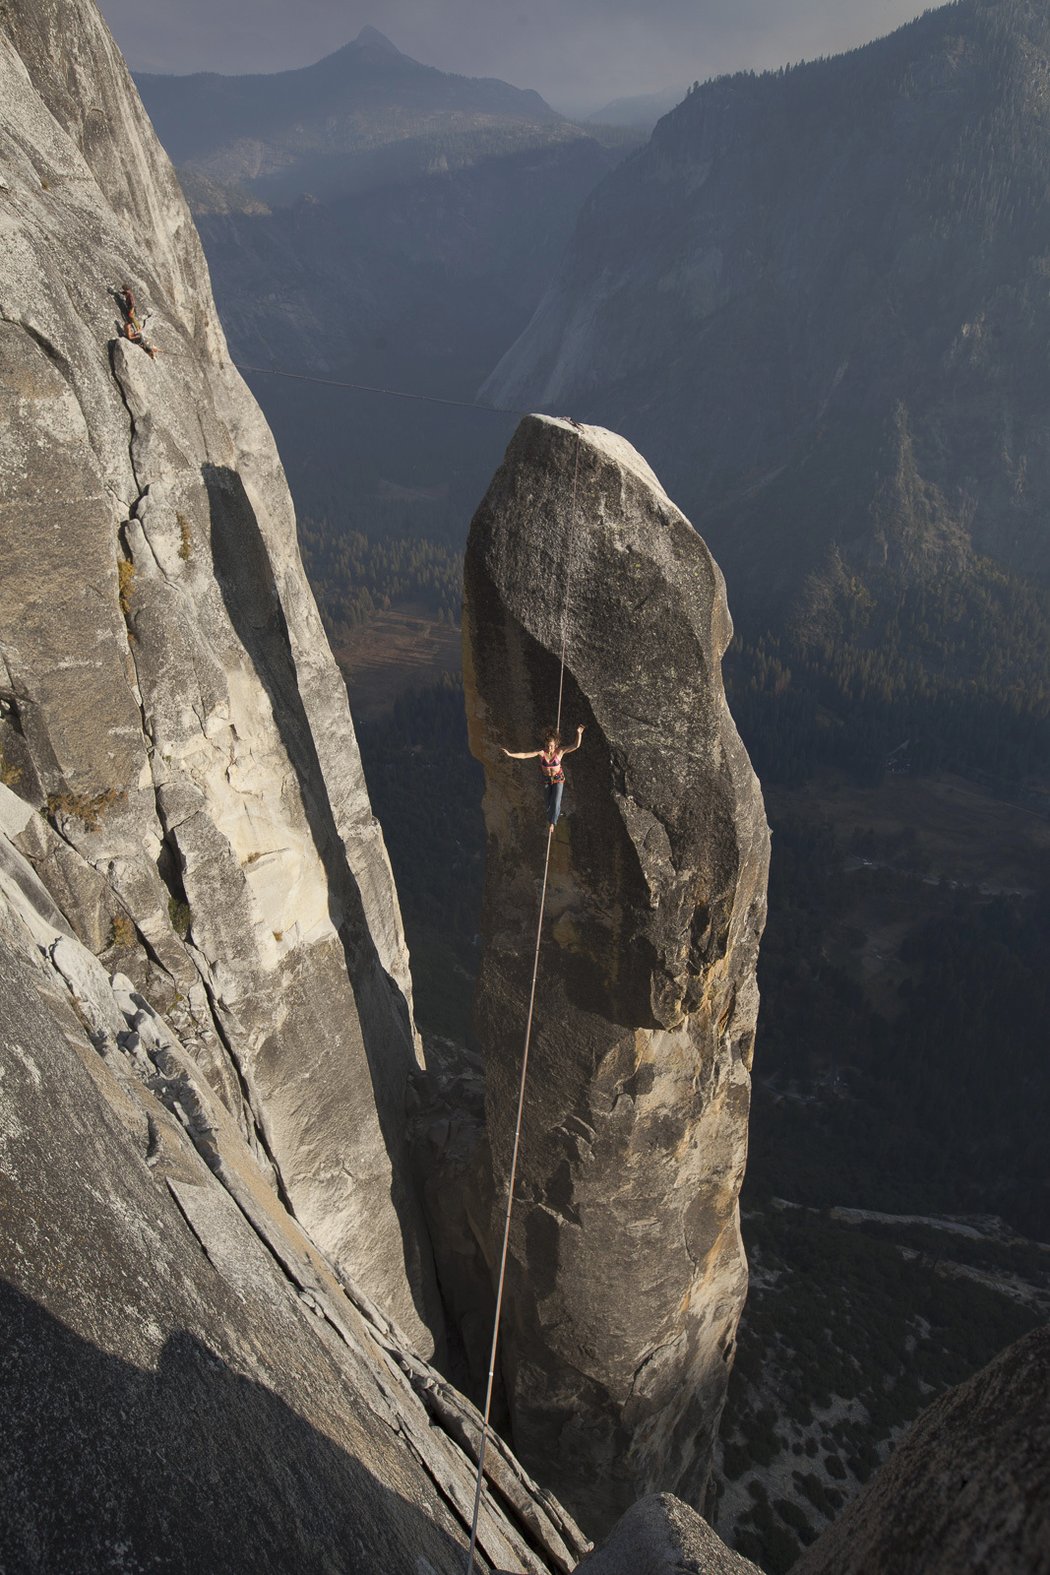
(641, 110)
(377, 220)
(817, 299)
(365, 94)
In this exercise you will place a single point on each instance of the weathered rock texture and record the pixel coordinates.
(627, 1274)
(662, 1536)
(184, 1382)
(965, 1493)
(168, 697)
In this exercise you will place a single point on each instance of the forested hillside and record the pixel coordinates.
(817, 300)
(881, 671)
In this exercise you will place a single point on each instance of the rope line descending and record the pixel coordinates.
(515, 1152)
(479, 1483)
(372, 388)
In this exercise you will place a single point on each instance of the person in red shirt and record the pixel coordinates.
(550, 758)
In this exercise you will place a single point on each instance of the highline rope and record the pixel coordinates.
(501, 1283)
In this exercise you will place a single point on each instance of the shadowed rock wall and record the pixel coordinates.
(627, 1273)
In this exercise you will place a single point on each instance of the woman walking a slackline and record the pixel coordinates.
(550, 758)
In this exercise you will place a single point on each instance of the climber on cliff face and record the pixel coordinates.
(550, 758)
(132, 326)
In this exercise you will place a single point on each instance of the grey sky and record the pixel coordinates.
(575, 52)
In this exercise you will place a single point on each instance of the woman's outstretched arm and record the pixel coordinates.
(579, 741)
(528, 754)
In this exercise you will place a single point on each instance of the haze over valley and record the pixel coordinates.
(694, 396)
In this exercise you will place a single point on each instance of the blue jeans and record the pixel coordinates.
(552, 792)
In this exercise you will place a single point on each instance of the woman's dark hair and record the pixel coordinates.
(548, 735)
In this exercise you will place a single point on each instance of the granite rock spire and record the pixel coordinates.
(627, 1273)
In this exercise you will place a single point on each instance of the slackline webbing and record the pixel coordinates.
(501, 1282)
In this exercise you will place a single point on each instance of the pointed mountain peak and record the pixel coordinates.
(372, 39)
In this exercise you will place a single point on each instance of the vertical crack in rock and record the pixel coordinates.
(116, 350)
(230, 1074)
(627, 1274)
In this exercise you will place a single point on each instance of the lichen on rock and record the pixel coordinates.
(627, 1273)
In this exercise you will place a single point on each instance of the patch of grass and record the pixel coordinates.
(125, 585)
(185, 536)
(122, 931)
(88, 808)
(180, 916)
(10, 775)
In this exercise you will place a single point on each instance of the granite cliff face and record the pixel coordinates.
(185, 1381)
(627, 1274)
(206, 1019)
(169, 702)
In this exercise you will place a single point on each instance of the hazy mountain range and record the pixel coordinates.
(642, 110)
(374, 219)
(326, 124)
(817, 299)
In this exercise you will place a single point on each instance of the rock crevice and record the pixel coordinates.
(193, 1329)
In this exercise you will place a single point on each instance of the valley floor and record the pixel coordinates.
(397, 651)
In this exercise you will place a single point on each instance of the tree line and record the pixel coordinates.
(949, 674)
(354, 576)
